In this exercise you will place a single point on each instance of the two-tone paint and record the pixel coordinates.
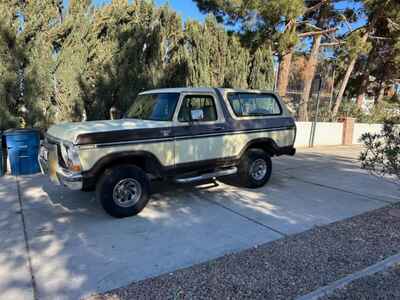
(175, 147)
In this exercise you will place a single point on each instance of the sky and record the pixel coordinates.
(186, 8)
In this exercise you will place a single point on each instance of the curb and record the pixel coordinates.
(341, 283)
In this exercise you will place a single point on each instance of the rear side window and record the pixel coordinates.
(248, 104)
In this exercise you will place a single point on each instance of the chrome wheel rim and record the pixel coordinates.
(258, 169)
(127, 192)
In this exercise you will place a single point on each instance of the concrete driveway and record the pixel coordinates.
(58, 244)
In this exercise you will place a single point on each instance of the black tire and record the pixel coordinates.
(116, 176)
(245, 168)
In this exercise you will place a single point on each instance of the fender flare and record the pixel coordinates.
(270, 146)
(144, 159)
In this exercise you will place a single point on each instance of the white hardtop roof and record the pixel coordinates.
(201, 90)
(180, 90)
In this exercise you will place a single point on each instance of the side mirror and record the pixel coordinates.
(197, 115)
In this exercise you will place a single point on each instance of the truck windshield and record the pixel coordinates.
(155, 107)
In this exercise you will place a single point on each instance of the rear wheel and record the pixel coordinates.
(255, 168)
(123, 191)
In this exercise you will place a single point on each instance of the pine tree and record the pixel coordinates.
(261, 25)
(383, 25)
(39, 18)
(238, 64)
(324, 20)
(11, 56)
(71, 52)
(76, 63)
(262, 70)
(197, 55)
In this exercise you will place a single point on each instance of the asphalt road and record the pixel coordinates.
(62, 245)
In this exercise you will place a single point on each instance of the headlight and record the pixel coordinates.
(71, 157)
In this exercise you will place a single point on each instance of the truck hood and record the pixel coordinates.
(69, 132)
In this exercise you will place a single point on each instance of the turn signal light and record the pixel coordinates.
(75, 168)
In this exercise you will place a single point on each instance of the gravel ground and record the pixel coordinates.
(282, 269)
(384, 285)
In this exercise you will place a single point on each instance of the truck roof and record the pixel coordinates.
(201, 90)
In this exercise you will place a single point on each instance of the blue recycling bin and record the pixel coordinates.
(23, 149)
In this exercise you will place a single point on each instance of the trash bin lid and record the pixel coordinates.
(20, 131)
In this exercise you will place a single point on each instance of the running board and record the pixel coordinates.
(221, 173)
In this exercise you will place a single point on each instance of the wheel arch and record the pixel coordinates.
(145, 160)
(266, 144)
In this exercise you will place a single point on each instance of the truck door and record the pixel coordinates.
(199, 128)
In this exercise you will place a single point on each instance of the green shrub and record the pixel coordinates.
(381, 155)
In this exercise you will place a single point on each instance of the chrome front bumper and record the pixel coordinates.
(59, 176)
(73, 181)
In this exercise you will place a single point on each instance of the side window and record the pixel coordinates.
(200, 108)
(247, 104)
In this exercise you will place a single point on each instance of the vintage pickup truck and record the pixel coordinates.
(181, 134)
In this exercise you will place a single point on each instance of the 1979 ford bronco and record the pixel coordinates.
(183, 134)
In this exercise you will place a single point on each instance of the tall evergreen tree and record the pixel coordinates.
(72, 50)
(382, 61)
(76, 63)
(383, 17)
(238, 65)
(262, 70)
(11, 57)
(37, 20)
(197, 48)
(324, 19)
(262, 23)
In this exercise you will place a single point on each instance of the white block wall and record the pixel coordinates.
(303, 134)
(329, 134)
(361, 128)
(326, 134)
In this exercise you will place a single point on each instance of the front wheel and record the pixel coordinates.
(255, 168)
(123, 191)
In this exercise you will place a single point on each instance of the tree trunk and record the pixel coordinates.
(362, 89)
(309, 76)
(360, 100)
(346, 80)
(381, 94)
(365, 80)
(283, 73)
(343, 87)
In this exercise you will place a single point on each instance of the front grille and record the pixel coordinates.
(61, 161)
(53, 143)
